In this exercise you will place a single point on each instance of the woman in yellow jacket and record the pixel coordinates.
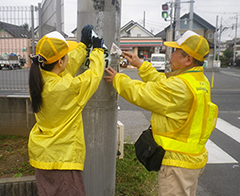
(56, 142)
(183, 115)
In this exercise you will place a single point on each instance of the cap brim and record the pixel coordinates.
(172, 44)
(72, 45)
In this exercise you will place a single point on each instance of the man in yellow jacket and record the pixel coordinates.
(183, 115)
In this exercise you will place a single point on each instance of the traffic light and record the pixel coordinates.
(164, 14)
(165, 10)
(165, 7)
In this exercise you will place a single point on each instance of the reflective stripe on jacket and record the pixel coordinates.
(170, 101)
(193, 135)
(57, 139)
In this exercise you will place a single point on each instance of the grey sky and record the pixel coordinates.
(226, 10)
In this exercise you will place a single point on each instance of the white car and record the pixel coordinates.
(158, 61)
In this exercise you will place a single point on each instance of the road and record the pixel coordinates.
(221, 176)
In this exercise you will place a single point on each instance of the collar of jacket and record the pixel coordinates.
(184, 70)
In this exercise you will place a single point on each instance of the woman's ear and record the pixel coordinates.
(60, 62)
(58, 67)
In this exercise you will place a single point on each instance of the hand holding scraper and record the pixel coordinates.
(116, 50)
(133, 59)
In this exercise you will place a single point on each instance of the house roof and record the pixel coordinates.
(196, 18)
(162, 34)
(131, 24)
(206, 25)
(142, 41)
(15, 31)
(128, 27)
(48, 29)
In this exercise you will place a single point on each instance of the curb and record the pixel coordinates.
(21, 186)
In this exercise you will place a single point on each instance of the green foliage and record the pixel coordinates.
(14, 156)
(4, 138)
(26, 168)
(8, 148)
(7, 137)
(17, 175)
(132, 179)
(228, 53)
(226, 58)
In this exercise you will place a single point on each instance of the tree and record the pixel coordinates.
(226, 58)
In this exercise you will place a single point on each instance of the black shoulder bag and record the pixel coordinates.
(148, 152)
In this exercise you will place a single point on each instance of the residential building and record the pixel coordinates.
(200, 26)
(15, 39)
(137, 39)
(230, 45)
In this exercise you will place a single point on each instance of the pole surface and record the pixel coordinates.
(100, 113)
(215, 42)
(235, 42)
(177, 19)
(191, 16)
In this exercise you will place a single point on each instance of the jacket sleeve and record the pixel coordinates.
(76, 59)
(87, 83)
(159, 97)
(148, 73)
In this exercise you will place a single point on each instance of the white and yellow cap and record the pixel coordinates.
(53, 46)
(193, 44)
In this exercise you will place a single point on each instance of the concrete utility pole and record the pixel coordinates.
(235, 42)
(144, 19)
(191, 16)
(40, 21)
(177, 19)
(59, 24)
(215, 41)
(170, 38)
(32, 29)
(219, 40)
(100, 114)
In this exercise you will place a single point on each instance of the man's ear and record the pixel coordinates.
(189, 60)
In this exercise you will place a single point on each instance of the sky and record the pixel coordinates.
(227, 12)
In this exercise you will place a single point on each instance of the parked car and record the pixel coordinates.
(123, 62)
(12, 61)
(158, 61)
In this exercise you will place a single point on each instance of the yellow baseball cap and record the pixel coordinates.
(53, 46)
(193, 44)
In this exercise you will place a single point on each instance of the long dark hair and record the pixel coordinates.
(36, 80)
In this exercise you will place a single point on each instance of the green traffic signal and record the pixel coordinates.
(165, 14)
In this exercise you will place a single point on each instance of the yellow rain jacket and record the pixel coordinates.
(170, 100)
(57, 139)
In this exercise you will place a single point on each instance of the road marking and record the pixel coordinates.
(228, 129)
(216, 155)
(230, 73)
